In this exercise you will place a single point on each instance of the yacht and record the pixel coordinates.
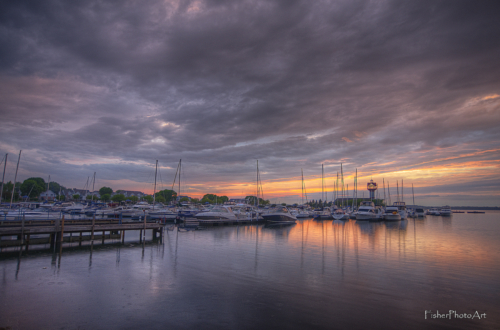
(340, 214)
(163, 213)
(367, 211)
(391, 213)
(433, 211)
(419, 212)
(401, 209)
(325, 214)
(445, 211)
(279, 214)
(218, 212)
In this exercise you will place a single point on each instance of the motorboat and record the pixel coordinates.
(401, 209)
(163, 213)
(391, 213)
(445, 211)
(434, 211)
(368, 212)
(279, 214)
(218, 212)
(340, 214)
(419, 212)
(74, 208)
(324, 214)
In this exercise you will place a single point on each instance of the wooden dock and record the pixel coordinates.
(79, 230)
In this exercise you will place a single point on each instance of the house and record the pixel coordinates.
(48, 195)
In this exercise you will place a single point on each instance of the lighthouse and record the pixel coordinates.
(372, 186)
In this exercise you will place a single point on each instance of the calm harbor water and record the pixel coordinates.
(311, 275)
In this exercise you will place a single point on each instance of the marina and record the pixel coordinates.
(325, 274)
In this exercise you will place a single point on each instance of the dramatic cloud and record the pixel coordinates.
(398, 90)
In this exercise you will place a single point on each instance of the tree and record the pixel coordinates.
(61, 197)
(160, 199)
(32, 188)
(184, 199)
(76, 196)
(105, 190)
(195, 200)
(148, 198)
(168, 194)
(133, 198)
(55, 187)
(89, 196)
(251, 200)
(105, 197)
(118, 198)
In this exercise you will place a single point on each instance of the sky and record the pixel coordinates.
(399, 90)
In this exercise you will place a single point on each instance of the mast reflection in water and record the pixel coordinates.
(313, 274)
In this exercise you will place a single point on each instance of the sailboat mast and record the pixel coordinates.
(322, 185)
(397, 189)
(402, 191)
(257, 197)
(3, 178)
(180, 168)
(413, 194)
(15, 178)
(93, 187)
(302, 200)
(154, 189)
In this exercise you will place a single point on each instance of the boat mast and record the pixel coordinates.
(154, 189)
(15, 178)
(180, 168)
(322, 187)
(93, 187)
(302, 171)
(413, 194)
(397, 189)
(389, 192)
(342, 178)
(3, 178)
(402, 192)
(48, 185)
(383, 183)
(257, 197)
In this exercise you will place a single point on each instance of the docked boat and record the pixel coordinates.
(391, 214)
(279, 214)
(325, 214)
(401, 209)
(419, 212)
(218, 212)
(445, 211)
(433, 211)
(368, 212)
(340, 214)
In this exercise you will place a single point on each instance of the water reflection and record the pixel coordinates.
(319, 274)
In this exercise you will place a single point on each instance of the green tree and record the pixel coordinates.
(222, 199)
(133, 198)
(148, 198)
(61, 197)
(168, 194)
(88, 197)
(160, 199)
(76, 196)
(118, 198)
(184, 199)
(195, 200)
(105, 197)
(32, 188)
(105, 190)
(55, 187)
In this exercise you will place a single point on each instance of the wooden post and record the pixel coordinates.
(92, 234)
(22, 232)
(103, 236)
(62, 235)
(140, 236)
(27, 242)
(80, 243)
(145, 219)
(123, 236)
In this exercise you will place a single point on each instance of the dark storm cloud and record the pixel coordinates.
(222, 83)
